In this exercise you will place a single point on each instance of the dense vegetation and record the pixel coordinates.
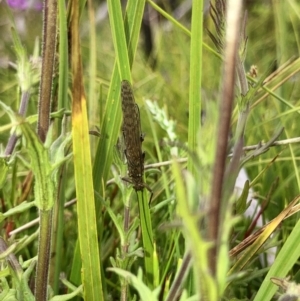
(201, 102)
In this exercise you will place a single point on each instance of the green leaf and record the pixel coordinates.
(45, 187)
(17, 209)
(3, 171)
(68, 296)
(6, 293)
(195, 79)
(136, 281)
(241, 204)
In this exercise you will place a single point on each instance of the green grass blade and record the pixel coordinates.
(87, 227)
(147, 236)
(92, 95)
(118, 34)
(195, 79)
(58, 221)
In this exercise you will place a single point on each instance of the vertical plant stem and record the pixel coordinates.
(44, 192)
(42, 268)
(58, 222)
(176, 287)
(48, 60)
(147, 235)
(126, 226)
(227, 96)
(125, 282)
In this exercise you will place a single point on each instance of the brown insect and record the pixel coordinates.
(133, 138)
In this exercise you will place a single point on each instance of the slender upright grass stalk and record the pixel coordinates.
(58, 215)
(193, 134)
(282, 26)
(147, 236)
(119, 38)
(195, 79)
(92, 95)
(227, 96)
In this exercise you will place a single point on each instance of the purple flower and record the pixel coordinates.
(25, 4)
(19, 4)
